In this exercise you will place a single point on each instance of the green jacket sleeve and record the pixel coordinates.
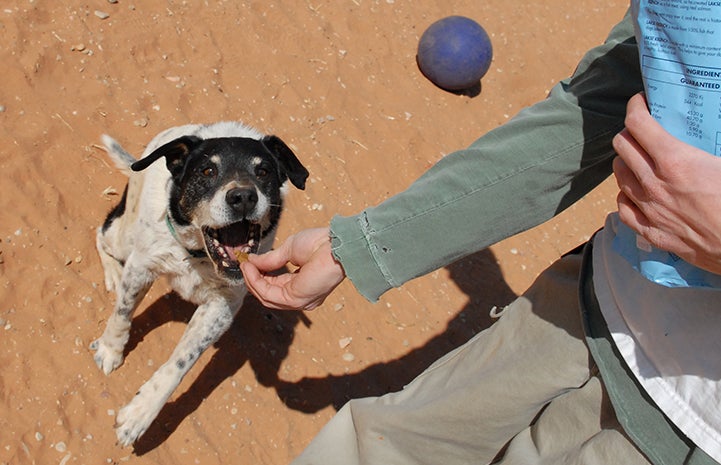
(511, 179)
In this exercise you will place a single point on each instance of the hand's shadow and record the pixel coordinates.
(263, 337)
(478, 276)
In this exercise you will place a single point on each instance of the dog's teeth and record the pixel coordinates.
(251, 243)
(226, 264)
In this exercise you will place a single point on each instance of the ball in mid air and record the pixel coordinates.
(454, 53)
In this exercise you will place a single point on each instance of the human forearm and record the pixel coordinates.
(509, 180)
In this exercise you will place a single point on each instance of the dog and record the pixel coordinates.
(218, 198)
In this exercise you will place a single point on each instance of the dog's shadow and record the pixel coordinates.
(259, 336)
(263, 337)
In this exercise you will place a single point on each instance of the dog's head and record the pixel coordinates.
(231, 189)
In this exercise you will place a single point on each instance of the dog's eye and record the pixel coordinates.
(261, 172)
(208, 172)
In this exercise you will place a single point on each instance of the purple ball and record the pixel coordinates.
(454, 53)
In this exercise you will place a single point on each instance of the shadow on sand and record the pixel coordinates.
(263, 338)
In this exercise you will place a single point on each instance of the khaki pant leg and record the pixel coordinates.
(578, 427)
(466, 406)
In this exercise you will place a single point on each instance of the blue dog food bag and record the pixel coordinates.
(680, 51)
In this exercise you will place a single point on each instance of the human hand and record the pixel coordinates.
(669, 190)
(306, 288)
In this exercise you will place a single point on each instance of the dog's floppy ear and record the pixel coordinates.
(287, 160)
(175, 153)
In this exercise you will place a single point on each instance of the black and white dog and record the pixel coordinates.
(218, 197)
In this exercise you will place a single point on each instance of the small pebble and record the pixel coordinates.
(61, 447)
(348, 357)
(101, 14)
(108, 191)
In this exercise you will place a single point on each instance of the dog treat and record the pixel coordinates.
(241, 256)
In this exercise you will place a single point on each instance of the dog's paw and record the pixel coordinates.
(106, 357)
(135, 418)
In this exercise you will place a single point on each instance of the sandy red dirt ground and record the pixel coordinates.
(338, 81)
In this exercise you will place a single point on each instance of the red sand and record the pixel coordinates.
(337, 81)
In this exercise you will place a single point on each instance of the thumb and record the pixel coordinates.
(272, 260)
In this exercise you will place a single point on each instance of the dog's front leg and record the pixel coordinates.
(134, 284)
(206, 326)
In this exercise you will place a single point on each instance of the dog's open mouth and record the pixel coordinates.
(230, 245)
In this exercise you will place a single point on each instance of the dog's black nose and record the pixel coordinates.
(242, 199)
